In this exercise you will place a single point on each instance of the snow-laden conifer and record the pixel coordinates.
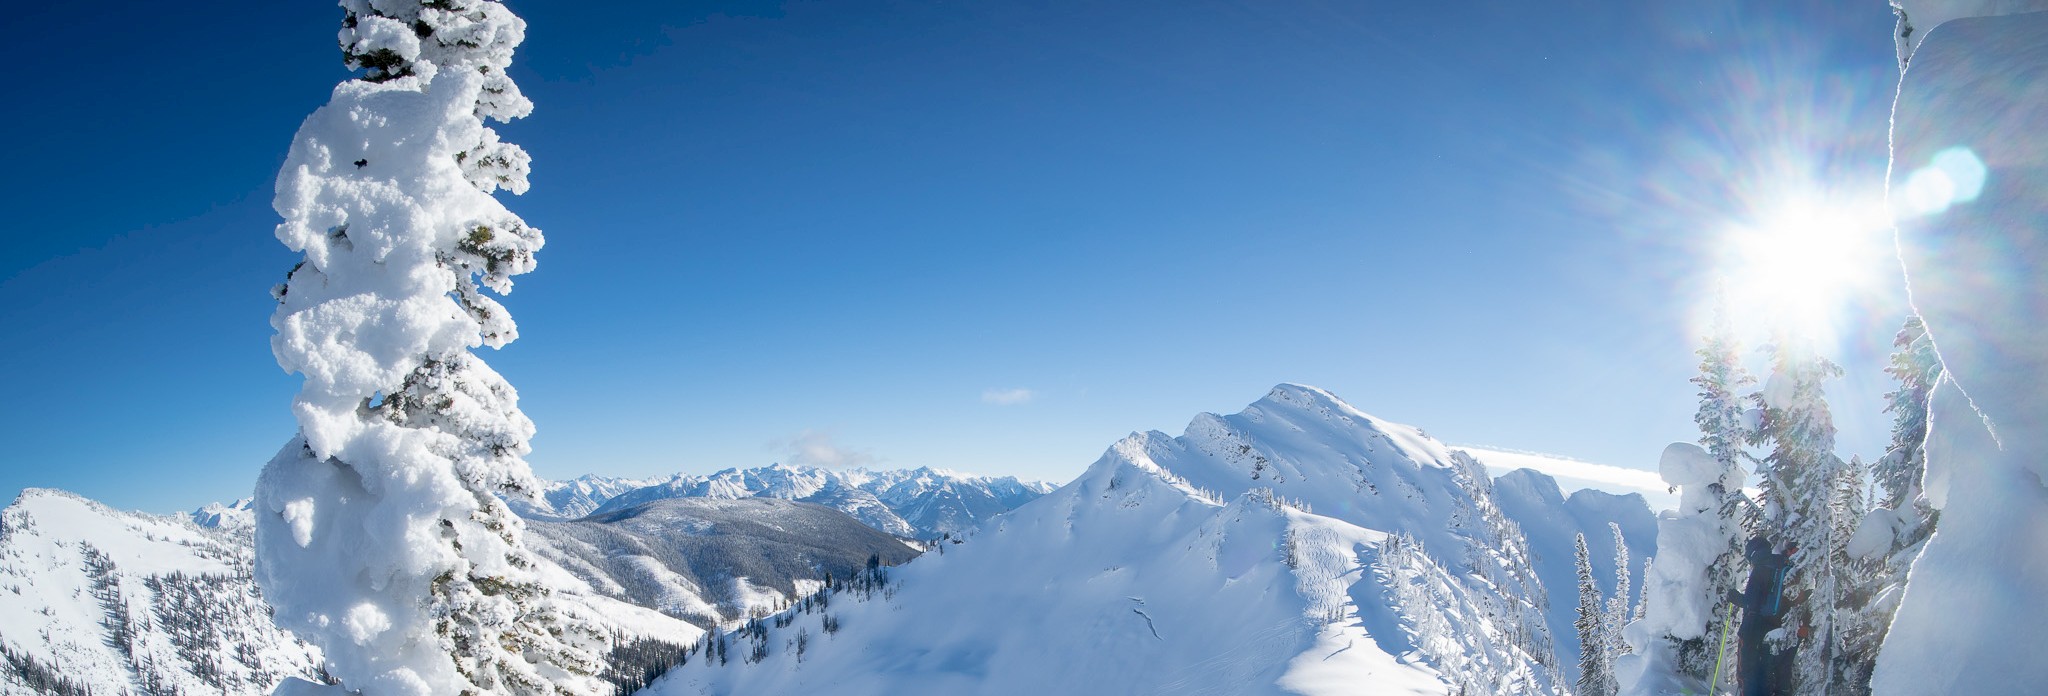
(1683, 600)
(1723, 434)
(1643, 596)
(1678, 602)
(1915, 368)
(1891, 534)
(1804, 507)
(1596, 668)
(1618, 610)
(380, 534)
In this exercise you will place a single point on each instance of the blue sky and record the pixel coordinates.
(982, 235)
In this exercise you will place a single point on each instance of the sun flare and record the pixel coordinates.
(1796, 272)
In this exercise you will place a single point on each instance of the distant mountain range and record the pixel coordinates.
(922, 503)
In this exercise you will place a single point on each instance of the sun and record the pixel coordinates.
(1797, 270)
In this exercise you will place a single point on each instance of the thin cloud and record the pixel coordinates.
(816, 448)
(1007, 397)
(1572, 473)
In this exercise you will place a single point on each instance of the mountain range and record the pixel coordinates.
(921, 503)
(1300, 546)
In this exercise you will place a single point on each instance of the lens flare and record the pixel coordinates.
(1955, 176)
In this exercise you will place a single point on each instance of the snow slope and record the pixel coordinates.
(75, 576)
(1969, 191)
(1300, 546)
(123, 602)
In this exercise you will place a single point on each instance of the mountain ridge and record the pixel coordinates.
(1298, 546)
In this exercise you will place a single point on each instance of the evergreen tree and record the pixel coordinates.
(1801, 481)
(1723, 435)
(381, 536)
(1617, 605)
(1853, 645)
(1596, 669)
(1915, 368)
(1899, 505)
(1643, 599)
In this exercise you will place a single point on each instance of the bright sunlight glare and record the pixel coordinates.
(1796, 272)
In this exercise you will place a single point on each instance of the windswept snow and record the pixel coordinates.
(1916, 17)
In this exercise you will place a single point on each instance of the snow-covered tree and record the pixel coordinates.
(1723, 434)
(1891, 534)
(380, 534)
(1915, 368)
(1618, 610)
(1852, 636)
(1672, 645)
(1500, 554)
(1802, 483)
(1596, 667)
(1643, 599)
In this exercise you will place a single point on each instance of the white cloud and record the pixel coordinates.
(1573, 474)
(1007, 397)
(816, 448)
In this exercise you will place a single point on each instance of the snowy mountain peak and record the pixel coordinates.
(1307, 445)
(1299, 546)
(237, 515)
